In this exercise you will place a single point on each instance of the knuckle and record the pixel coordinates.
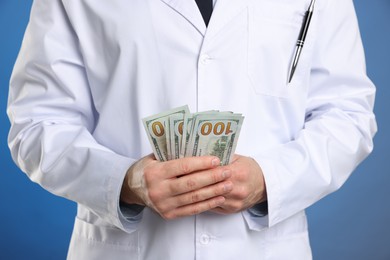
(219, 190)
(213, 204)
(226, 187)
(154, 195)
(195, 210)
(195, 197)
(149, 175)
(190, 184)
(185, 167)
(215, 176)
(242, 193)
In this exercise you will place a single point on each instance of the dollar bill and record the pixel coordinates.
(215, 134)
(187, 127)
(177, 133)
(156, 130)
(176, 122)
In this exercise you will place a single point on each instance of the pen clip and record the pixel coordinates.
(301, 39)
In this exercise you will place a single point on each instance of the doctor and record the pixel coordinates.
(89, 71)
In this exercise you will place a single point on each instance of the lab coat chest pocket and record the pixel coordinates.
(274, 26)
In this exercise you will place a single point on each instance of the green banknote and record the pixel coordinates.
(156, 127)
(215, 135)
(177, 133)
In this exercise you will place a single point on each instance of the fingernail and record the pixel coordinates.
(226, 174)
(228, 186)
(215, 162)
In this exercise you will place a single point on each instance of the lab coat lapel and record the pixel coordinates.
(224, 11)
(189, 10)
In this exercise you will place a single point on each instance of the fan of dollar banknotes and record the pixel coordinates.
(177, 133)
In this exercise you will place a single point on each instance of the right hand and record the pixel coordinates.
(177, 188)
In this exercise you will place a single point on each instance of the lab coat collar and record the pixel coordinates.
(224, 11)
(189, 10)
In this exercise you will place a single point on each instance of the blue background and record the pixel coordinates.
(353, 223)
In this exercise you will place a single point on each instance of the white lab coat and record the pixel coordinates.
(88, 71)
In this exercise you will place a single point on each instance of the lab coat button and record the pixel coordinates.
(204, 239)
(204, 59)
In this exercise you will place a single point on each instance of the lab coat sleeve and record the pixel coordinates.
(339, 123)
(52, 119)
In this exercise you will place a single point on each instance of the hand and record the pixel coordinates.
(177, 188)
(248, 186)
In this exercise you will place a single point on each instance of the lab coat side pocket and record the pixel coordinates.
(90, 241)
(290, 235)
(273, 33)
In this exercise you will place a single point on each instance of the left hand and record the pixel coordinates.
(248, 186)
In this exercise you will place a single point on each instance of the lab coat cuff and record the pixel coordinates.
(254, 221)
(272, 183)
(131, 213)
(259, 210)
(127, 218)
(256, 217)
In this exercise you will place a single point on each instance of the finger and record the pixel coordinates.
(198, 181)
(203, 194)
(232, 206)
(193, 197)
(184, 166)
(220, 210)
(195, 209)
